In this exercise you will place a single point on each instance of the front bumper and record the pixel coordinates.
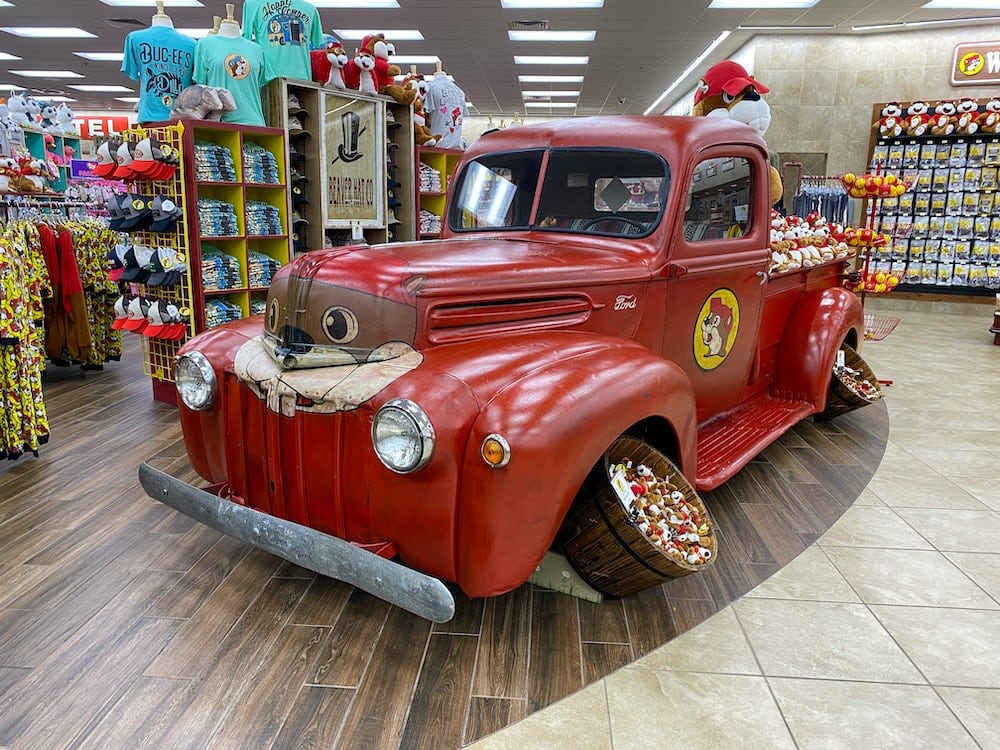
(415, 592)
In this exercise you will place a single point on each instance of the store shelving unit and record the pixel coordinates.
(432, 201)
(946, 237)
(308, 157)
(34, 141)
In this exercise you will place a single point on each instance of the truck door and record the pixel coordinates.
(717, 269)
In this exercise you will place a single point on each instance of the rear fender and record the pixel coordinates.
(819, 323)
(558, 421)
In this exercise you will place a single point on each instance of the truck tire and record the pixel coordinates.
(600, 539)
(851, 387)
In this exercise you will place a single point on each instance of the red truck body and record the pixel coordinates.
(557, 335)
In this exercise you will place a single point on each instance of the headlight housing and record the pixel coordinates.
(196, 384)
(403, 436)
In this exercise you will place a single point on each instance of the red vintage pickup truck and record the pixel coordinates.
(413, 413)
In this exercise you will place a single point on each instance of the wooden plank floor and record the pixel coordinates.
(124, 624)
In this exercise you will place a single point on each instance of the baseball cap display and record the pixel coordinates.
(121, 314)
(295, 127)
(116, 213)
(135, 314)
(150, 162)
(138, 214)
(137, 260)
(116, 263)
(165, 213)
(297, 218)
(166, 266)
(164, 321)
(105, 163)
(124, 156)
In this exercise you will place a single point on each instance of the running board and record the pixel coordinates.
(729, 442)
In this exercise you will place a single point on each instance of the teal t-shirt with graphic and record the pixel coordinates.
(161, 60)
(286, 30)
(236, 64)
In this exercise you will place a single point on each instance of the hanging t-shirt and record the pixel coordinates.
(286, 30)
(444, 106)
(161, 59)
(236, 64)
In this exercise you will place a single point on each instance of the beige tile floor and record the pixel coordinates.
(884, 634)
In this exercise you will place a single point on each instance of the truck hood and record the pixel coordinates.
(343, 306)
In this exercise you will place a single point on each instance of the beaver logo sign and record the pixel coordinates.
(716, 329)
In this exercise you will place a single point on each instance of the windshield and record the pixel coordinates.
(589, 191)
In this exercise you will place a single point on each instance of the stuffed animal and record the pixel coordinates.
(336, 56)
(421, 133)
(359, 73)
(34, 111)
(64, 116)
(989, 119)
(8, 171)
(48, 118)
(32, 173)
(17, 104)
(890, 124)
(728, 91)
(917, 119)
(943, 119)
(198, 102)
(967, 116)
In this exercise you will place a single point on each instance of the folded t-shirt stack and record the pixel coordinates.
(259, 164)
(260, 268)
(218, 270)
(219, 310)
(213, 162)
(217, 218)
(263, 219)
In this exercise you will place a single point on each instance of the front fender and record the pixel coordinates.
(818, 324)
(558, 420)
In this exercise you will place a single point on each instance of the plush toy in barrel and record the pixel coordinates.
(636, 522)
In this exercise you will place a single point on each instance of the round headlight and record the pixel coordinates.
(196, 381)
(403, 436)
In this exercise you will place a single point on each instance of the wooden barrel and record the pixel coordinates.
(842, 397)
(601, 540)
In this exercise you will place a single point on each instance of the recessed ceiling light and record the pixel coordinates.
(8, 56)
(5, 4)
(415, 59)
(688, 70)
(48, 32)
(963, 4)
(58, 99)
(526, 94)
(98, 88)
(129, 99)
(46, 73)
(362, 4)
(101, 56)
(790, 27)
(551, 36)
(551, 59)
(553, 105)
(550, 79)
(198, 33)
(551, 3)
(152, 3)
(393, 35)
(905, 25)
(756, 4)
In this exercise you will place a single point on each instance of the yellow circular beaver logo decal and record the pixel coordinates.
(716, 329)
(971, 63)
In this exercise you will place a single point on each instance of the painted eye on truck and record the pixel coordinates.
(340, 325)
(272, 315)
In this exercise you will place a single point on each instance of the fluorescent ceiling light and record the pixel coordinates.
(8, 56)
(790, 27)
(552, 105)
(551, 36)
(688, 70)
(128, 99)
(198, 33)
(152, 3)
(526, 94)
(551, 59)
(415, 59)
(550, 79)
(962, 4)
(905, 25)
(46, 73)
(48, 32)
(393, 35)
(98, 88)
(362, 4)
(551, 3)
(5, 4)
(58, 99)
(101, 56)
(756, 5)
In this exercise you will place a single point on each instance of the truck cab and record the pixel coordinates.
(442, 403)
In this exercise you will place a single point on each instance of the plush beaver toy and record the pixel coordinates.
(727, 90)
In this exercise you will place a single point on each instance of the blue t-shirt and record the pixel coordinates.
(161, 59)
(236, 64)
(286, 30)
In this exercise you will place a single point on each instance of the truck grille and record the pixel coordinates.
(458, 322)
(275, 468)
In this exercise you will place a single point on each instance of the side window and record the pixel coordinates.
(718, 201)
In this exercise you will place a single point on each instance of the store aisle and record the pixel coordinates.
(885, 632)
